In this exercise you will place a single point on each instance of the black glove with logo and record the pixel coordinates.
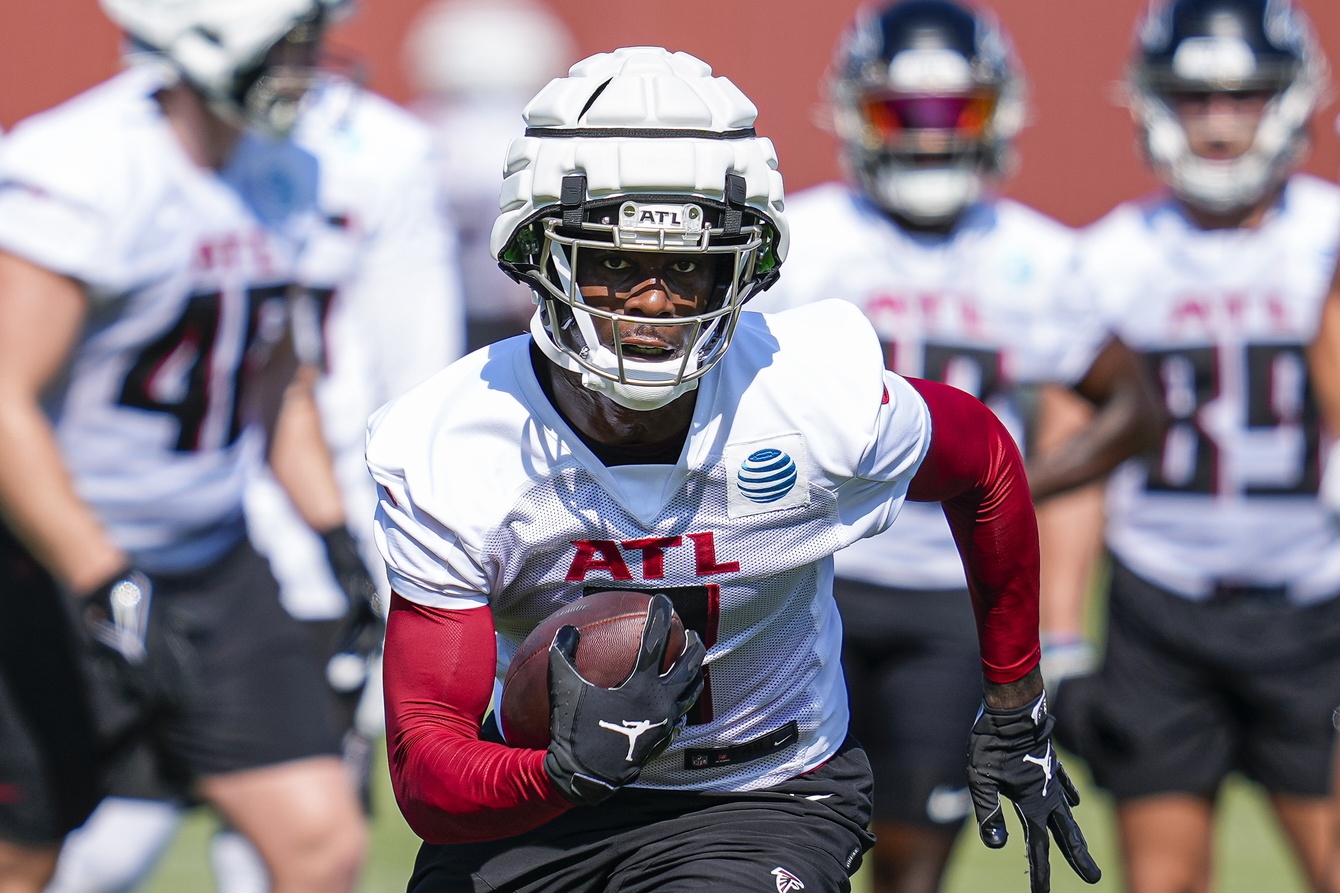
(364, 625)
(1010, 752)
(144, 651)
(600, 738)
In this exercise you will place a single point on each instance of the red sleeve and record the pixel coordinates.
(974, 469)
(451, 786)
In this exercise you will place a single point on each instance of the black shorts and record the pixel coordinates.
(779, 838)
(49, 756)
(261, 697)
(1190, 691)
(915, 682)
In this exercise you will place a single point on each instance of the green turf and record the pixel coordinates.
(186, 867)
(1250, 854)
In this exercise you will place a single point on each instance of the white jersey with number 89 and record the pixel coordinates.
(1222, 319)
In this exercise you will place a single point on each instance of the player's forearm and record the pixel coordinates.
(1129, 419)
(1116, 433)
(301, 459)
(456, 789)
(41, 315)
(974, 470)
(39, 503)
(1070, 533)
(1324, 360)
(1070, 526)
(451, 786)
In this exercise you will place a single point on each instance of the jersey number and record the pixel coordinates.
(974, 370)
(699, 608)
(1278, 397)
(175, 375)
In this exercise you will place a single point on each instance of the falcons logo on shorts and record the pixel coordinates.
(786, 881)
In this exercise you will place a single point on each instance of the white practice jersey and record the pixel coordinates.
(184, 271)
(986, 309)
(392, 319)
(1223, 319)
(490, 499)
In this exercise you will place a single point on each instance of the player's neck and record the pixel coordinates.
(208, 139)
(604, 421)
(1238, 218)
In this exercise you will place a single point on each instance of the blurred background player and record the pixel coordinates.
(964, 288)
(474, 64)
(49, 747)
(155, 232)
(1223, 630)
(393, 318)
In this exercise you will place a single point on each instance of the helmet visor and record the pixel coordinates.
(893, 115)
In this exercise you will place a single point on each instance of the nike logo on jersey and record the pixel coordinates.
(634, 729)
(786, 881)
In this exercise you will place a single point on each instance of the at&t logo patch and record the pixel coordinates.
(767, 475)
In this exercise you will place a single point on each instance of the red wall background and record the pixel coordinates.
(1077, 155)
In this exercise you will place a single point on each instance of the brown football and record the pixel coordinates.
(611, 625)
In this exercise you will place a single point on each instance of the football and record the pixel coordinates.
(611, 625)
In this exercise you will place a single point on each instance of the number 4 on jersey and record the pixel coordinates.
(177, 374)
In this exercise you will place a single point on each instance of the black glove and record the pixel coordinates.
(1010, 752)
(600, 738)
(145, 652)
(364, 625)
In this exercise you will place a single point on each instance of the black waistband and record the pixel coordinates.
(730, 755)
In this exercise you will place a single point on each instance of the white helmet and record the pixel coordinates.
(639, 150)
(1205, 46)
(486, 46)
(927, 98)
(219, 47)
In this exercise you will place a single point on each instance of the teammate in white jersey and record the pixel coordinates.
(393, 319)
(648, 435)
(152, 232)
(475, 64)
(963, 288)
(1223, 634)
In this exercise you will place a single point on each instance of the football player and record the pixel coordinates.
(394, 318)
(1223, 629)
(649, 435)
(155, 231)
(475, 64)
(969, 289)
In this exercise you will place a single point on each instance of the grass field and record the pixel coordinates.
(1251, 856)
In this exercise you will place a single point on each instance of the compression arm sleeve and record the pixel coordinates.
(451, 786)
(974, 470)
